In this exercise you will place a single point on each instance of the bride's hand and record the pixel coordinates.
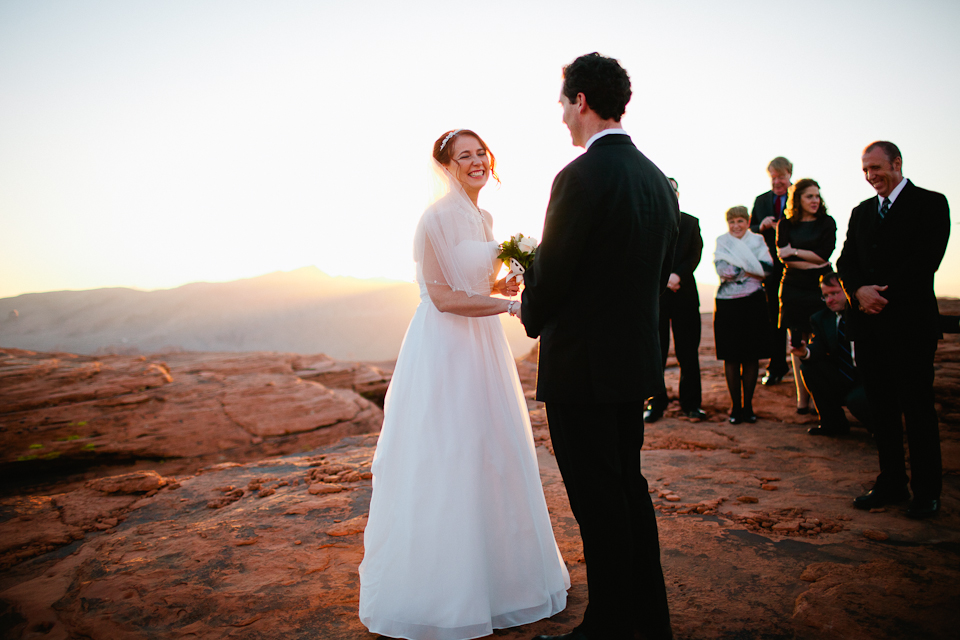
(507, 287)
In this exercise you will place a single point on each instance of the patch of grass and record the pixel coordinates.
(26, 458)
(36, 446)
(69, 438)
(89, 446)
(53, 455)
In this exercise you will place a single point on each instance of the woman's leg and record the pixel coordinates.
(731, 370)
(803, 397)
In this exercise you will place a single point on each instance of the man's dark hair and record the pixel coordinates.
(830, 278)
(889, 149)
(602, 80)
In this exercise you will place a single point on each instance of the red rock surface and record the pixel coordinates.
(758, 535)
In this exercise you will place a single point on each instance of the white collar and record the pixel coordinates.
(893, 194)
(600, 134)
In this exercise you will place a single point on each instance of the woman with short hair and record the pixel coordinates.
(740, 324)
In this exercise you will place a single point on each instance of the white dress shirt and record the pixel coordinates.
(600, 134)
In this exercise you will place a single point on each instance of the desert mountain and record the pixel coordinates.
(300, 311)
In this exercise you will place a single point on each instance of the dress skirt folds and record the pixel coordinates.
(459, 541)
(741, 328)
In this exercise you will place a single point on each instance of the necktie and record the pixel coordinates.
(776, 207)
(884, 208)
(846, 367)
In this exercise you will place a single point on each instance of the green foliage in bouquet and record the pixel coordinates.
(519, 247)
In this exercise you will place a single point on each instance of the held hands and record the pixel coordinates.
(673, 283)
(870, 299)
(767, 223)
(786, 252)
(801, 351)
(507, 287)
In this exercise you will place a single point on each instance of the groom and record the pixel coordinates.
(592, 296)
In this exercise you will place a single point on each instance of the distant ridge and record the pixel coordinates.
(300, 311)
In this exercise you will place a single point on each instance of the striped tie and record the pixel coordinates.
(846, 359)
(884, 208)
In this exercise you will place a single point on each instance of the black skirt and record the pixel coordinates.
(800, 298)
(741, 328)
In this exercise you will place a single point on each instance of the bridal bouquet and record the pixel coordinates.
(518, 252)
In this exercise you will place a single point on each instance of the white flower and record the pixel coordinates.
(527, 245)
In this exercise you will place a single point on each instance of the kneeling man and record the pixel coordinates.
(829, 365)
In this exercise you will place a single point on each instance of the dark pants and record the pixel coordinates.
(778, 337)
(832, 391)
(684, 314)
(598, 451)
(898, 376)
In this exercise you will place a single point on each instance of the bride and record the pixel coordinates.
(458, 541)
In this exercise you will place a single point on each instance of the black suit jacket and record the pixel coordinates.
(686, 258)
(592, 294)
(763, 207)
(824, 341)
(902, 251)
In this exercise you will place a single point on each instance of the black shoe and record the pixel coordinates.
(735, 417)
(749, 416)
(652, 414)
(878, 497)
(920, 508)
(821, 430)
(573, 635)
(696, 414)
(771, 379)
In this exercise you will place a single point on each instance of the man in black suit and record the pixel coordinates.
(829, 364)
(894, 245)
(767, 211)
(599, 346)
(680, 305)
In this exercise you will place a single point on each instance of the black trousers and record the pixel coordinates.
(898, 376)
(778, 337)
(684, 314)
(598, 451)
(832, 391)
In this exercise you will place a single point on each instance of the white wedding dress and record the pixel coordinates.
(459, 541)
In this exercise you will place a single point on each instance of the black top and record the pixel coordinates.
(819, 236)
(612, 207)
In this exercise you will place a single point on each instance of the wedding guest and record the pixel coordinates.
(767, 212)
(895, 242)
(829, 364)
(806, 237)
(740, 323)
(680, 306)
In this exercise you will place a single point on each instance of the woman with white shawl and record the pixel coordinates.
(740, 322)
(459, 540)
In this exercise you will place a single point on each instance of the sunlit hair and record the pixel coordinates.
(830, 278)
(738, 211)
(602, 80)
(792, 210)
(443, 155)
(780, 165)
(889, 149)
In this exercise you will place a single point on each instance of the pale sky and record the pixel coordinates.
(152, 144)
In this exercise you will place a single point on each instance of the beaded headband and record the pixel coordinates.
(449, 135)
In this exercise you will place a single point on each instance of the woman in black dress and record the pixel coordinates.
(806, 237)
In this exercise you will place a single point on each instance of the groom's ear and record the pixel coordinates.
(581, 103)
